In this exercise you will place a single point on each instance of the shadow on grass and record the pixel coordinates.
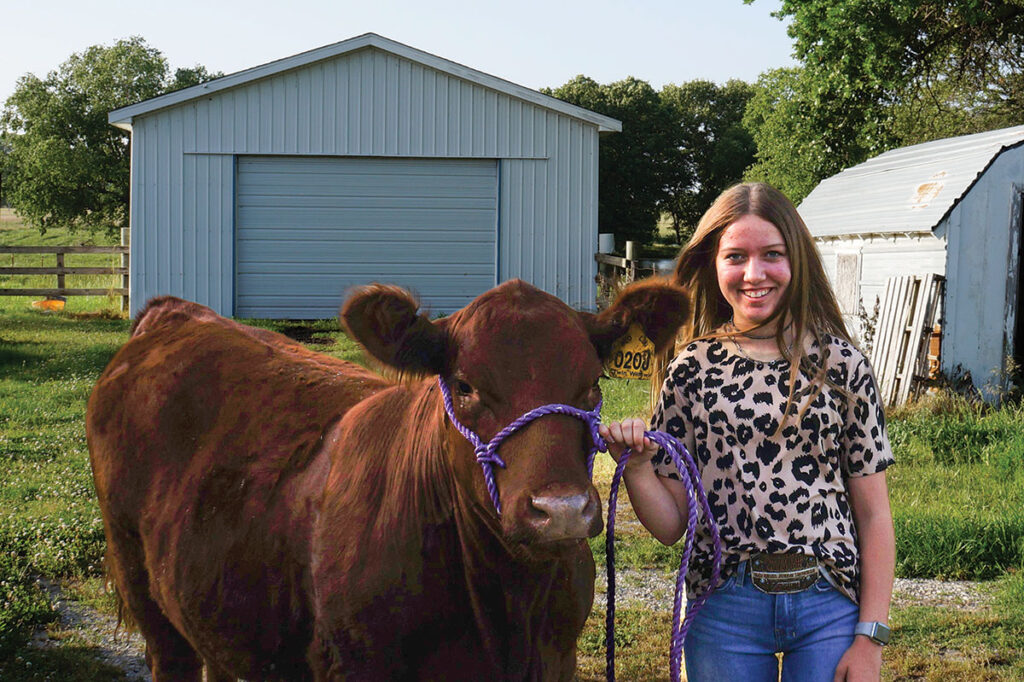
(36, 323)
(74, 663)
(31, 362)
(42, 348)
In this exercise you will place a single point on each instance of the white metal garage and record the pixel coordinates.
(265, 193)
(308, 228)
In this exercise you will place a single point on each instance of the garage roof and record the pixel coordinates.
(123, 117)
(904, 191)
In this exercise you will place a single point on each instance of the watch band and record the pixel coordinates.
(875, 631)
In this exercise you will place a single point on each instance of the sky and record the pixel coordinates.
(535, 43)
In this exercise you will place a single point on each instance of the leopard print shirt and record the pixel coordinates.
(768, 493)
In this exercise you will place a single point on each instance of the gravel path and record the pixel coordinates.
(653, 589)
(85, 625)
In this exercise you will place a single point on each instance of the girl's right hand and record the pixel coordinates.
(629, 433)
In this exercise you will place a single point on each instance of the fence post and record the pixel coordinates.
(125, 239)
(60, 266)
(631, 264)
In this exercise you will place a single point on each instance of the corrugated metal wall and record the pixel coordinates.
(373, 103)
(882, 258)
(560, 192)
(984, 242)
(977, 247)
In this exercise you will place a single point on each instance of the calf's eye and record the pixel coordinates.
(463, 388)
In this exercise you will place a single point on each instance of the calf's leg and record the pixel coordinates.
(169, 655)
(215, 674)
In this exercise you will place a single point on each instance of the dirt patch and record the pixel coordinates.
(308, 334)
(100, 315)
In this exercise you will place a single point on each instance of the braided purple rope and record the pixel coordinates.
(487, 456)
(487, 453)
(690, 477)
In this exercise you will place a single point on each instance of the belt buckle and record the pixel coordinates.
(783, 573)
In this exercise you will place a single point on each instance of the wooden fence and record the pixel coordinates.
(60, 270)
(614, 271)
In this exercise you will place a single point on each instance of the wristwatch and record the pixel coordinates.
(876, 632)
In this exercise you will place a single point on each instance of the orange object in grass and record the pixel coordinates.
(49, 304)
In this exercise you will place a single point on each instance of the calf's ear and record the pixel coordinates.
(656, 304)
(385, 322)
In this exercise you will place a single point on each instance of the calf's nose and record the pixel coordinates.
(565, 517)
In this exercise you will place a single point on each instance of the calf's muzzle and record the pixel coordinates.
(556, 517)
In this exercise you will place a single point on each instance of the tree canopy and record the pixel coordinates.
(678, 149)
(631, 163)
(65, 164)
(713, 147)
(876, 74)
(790, 154)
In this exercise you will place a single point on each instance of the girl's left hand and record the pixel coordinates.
(862, 662)
(629, 433)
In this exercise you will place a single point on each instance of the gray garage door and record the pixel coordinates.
(308, 228)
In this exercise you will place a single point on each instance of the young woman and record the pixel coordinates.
(782, 415)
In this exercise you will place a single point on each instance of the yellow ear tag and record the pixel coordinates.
(632, 356)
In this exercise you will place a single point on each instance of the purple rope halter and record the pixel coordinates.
(487, 456)
(487, 453)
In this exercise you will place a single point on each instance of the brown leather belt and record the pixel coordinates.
(783, 573)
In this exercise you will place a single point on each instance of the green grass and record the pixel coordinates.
(957, 493)
(958, 489)
(952, 644)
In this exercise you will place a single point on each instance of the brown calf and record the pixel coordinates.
(279, 514)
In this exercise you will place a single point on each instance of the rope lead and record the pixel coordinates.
(487, 456)
(690, 477)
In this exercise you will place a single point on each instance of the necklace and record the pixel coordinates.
(753, 336)
(744, 353)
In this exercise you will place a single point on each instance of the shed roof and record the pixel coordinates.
(123, 117)
(904, 191)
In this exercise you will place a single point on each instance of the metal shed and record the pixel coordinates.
(267, 193)
(951, 207)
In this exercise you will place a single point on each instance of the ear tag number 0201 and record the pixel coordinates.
(632, 357)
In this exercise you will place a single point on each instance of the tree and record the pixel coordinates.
(631, 163)
(66, 165)
(714, 147)
(881, 73)
(790, 156)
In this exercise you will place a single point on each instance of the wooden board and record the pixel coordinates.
(905, 322)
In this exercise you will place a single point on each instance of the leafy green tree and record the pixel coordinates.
(882, 73)
(66, 165)
(714, 147)
(790, 155)
(632, 163)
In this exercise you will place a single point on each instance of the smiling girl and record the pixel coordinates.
(782, 415)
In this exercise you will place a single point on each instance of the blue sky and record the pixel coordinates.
(536, 43)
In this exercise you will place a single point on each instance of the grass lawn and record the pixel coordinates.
(957, 493)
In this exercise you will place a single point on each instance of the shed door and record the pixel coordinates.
(308, 228)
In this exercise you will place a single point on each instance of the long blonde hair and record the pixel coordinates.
(808, 300)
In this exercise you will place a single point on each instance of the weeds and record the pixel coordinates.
(949, 429)
(868, 326)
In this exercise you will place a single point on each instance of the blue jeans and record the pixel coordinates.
(738, 631)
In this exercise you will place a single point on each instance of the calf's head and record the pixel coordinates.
(511, 350)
